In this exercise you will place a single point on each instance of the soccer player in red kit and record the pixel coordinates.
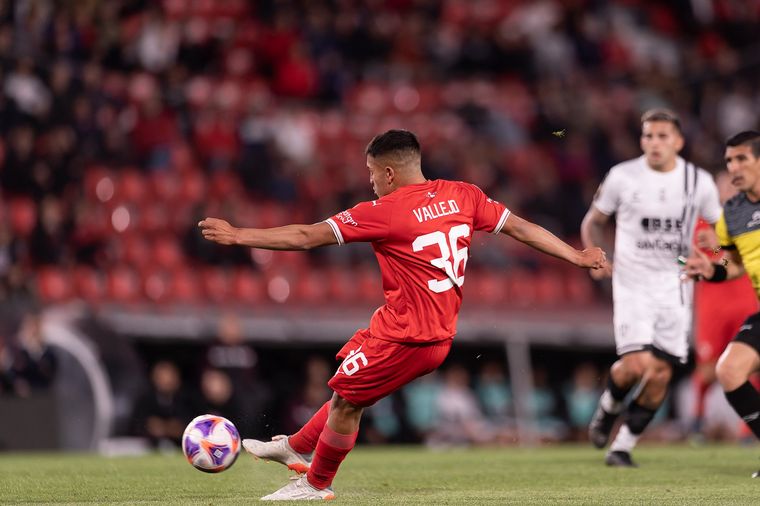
(421, 232)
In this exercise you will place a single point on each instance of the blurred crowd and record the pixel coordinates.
(27, 363)
(124, 122)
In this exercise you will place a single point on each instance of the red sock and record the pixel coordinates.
(331, 450)
(700, 387)
(305, 440)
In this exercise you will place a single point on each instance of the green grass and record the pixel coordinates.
(553, 475)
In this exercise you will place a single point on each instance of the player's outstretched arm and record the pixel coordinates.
(541, 239)
(699, 266)
(289, 237)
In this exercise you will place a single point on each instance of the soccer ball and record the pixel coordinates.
(211, 443)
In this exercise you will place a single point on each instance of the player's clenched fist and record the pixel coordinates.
(218, 230)
(593, 258)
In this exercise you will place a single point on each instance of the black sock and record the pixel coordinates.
(617, 393)
(637, 417)
(746, 402)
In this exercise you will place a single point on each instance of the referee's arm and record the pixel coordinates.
(700, 266)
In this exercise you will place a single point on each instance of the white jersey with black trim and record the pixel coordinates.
(655, 217)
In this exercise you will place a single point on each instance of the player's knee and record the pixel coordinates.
(343, 408)
(729, 373)
(630, 370)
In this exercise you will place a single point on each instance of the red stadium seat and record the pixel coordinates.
(154, 218)
(155, 286)
(311, 288)
(521, 289)
(550, 290)
(53, 284)
(167, 253)
(579, 289)
(165, 186)
(192, 187)
(136, 251)
(122, 285)
(216, 284)
(88, 284)
(248, 287)
(184, 287)
(341, 287)
(22, 214)
(132, 187)
(485, 287)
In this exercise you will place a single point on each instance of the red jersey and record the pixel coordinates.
(421, 235)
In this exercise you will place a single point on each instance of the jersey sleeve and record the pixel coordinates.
(489, 215)
(607, 198)
(709, 203)
(724, 238)
(365, 222)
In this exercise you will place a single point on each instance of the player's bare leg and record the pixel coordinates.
(640, 412)
(337, 439)
(624, 374)
(735, 366)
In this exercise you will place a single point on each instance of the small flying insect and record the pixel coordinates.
(559, 133)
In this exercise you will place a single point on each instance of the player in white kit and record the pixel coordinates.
(656, 200)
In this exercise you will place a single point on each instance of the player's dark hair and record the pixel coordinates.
(748, 137)
(662, 114)
(393, 141)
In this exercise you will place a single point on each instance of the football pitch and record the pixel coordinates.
(395, 475)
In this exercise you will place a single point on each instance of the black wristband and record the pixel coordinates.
(720, 274)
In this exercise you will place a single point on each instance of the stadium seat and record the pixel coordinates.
(153, 218)
(167, 253)
(156, 286)
(122, 285)
(521, 289)
(579, 289)
(550, 290)
(131, 187)
(248, 287)
(88, 284)
(53, 284)
(311, 288)
(216, 284)
(164, 186)
(184, 286)
(192, 187)
(136, 251)
(22, 214)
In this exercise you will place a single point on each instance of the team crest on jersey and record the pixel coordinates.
(346, 218)
(755, 221)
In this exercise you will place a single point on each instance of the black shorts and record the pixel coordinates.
(749, 332)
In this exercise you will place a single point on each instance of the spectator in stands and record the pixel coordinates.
(218, 397)
(495, 394)
(230, 354)
(546, 408)
(314, 393)
(162, 413)
(421, 396)
(460, 419)
(6, 369)
(581, 395)
(35, 363)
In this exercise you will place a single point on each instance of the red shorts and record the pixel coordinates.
(373, 368)
(721, 309)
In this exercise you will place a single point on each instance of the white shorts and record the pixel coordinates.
(641, 323)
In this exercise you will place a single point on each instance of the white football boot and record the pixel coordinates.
(278, 450)
(299, 489)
